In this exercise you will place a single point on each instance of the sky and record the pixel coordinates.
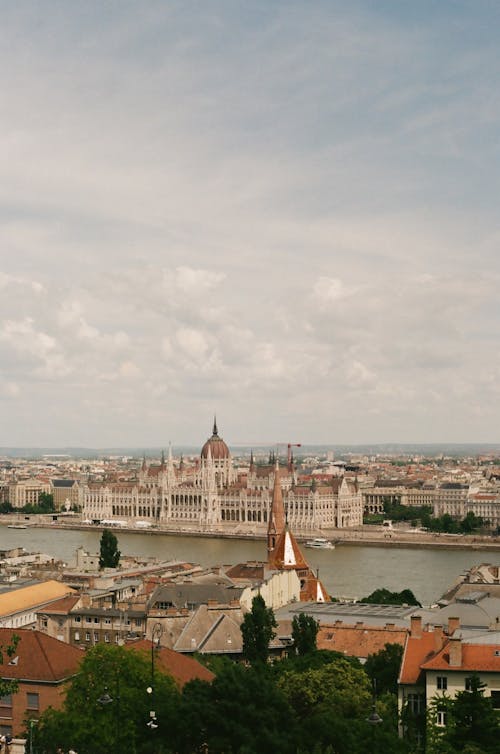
(282, 212)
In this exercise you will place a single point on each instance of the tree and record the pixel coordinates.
(46, 502)
(7, 686)
(385, 597)
(383, 668)
(475, 721)
(304, 633)
(89, 726)
(242, 711)
(109, 556)
(257, 631)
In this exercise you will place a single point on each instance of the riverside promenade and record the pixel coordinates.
(366, 536)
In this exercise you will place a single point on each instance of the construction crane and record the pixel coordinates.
(288, 446)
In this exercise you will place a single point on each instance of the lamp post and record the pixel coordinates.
(105, 699)
(32, 723)
(155, 637)
(374, 718)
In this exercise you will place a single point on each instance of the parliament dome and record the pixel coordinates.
(216, 445)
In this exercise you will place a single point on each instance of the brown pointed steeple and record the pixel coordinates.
(276, 523)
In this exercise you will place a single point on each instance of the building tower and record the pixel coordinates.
(276, 522)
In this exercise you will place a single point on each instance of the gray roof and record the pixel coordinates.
(188, 594)
(481, 614)
(349, 612)
(63, 482)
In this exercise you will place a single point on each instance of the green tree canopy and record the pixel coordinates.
(242, 711)
(304, 633)
(385, 597)
(90, 726)
(383, 668)
(109, 556)
(257, 631)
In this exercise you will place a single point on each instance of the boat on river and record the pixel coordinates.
(320, 543)
(16, 526)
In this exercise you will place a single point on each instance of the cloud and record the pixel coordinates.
(289, 212)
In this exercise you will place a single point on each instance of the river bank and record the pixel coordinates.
(365, 536)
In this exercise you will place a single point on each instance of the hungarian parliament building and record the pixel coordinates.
(210, 493)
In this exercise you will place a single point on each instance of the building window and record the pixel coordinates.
(441, 717)
(107, 621)
(96, 620)
(96, 636)
(6, 701)
(106, 638)
(415, 703)
(32, 701)
(442, 682)
(88, 619)
(87, 636)
(495, 699)
(78, 618)
(77, 635)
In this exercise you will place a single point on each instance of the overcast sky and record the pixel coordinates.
(284, 212)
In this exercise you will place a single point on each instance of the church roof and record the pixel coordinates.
(287, 553)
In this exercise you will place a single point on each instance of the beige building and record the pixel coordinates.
(27, 492)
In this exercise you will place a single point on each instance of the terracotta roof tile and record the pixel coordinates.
(417, 651)
(359, 641)
(179, 666)
(475, 657)
(40, 657)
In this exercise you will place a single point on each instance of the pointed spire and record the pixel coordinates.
(276, 523)
(143, 467)
(251, 461)
(215, 430)
(162, 459)
(181, 462)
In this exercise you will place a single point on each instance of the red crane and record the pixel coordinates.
(289, 446)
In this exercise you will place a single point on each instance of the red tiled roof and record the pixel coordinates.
(475, 657)
(40, 657)
(359, 641)
(179, 666)
(60, 607)
(417, 651)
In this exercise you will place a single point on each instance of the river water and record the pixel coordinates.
(347, 571)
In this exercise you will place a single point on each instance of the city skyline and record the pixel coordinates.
(284, 214)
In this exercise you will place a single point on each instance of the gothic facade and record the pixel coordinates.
(210, 493)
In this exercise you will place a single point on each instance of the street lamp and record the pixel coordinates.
(374, 718)
(155, 637)
(32, 722)
(104, 700)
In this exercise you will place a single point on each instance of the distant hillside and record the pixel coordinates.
(458, 450)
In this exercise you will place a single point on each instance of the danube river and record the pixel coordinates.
(347, 571)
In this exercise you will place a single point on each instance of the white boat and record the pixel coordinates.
(320, 543)
(16, 526)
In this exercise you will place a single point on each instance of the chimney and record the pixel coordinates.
(416, 627)
(455, 650)
(453, 625)
(438, 638)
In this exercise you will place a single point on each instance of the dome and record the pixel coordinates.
(217, 446)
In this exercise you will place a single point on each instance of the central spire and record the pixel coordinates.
(277, 515)
(215, 430)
